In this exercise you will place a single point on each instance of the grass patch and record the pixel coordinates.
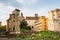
(42, 35)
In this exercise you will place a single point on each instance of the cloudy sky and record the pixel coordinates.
(28, 7)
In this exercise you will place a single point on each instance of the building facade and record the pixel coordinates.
(54, 20)
(13, 23)
(41, 24)
(31, 19)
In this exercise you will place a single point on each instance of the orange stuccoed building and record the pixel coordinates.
(41, 24)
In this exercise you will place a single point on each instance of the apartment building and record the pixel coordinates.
(31, 19)
(41, 24)
(54, 20)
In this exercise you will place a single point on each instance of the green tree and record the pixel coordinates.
(24, 25)
(3, 29)
(0, 29)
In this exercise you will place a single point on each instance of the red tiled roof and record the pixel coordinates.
(21, 17)
(31, 18)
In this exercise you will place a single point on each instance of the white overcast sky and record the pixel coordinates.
(28, 7)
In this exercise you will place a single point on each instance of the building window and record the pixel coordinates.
(59, 24)
(44, 19)
(45, 22)
(14, 20)
(14, 15)
(58, 16)
(45, 28)
(13, 28)
(9, 29)
(32, 26)
(17, 14)
(45, 25)
(55, 21)
(53, 15)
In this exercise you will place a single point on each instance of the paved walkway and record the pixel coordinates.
(7, 39)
